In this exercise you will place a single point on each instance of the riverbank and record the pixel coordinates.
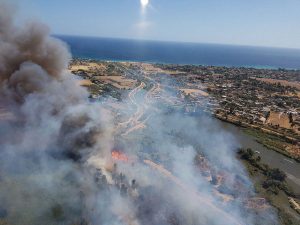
(269, 157)
(270, 183)
(272, 140)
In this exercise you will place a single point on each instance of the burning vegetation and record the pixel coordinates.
(119, 156)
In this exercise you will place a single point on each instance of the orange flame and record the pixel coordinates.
(119, 156)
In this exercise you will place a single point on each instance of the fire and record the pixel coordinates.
(119, 156)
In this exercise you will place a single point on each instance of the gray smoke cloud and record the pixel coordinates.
(35, 85)
(47, 125)
(55, 156)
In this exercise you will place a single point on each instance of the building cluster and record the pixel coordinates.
(247, 95)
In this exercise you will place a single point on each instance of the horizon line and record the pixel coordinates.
(177, 42)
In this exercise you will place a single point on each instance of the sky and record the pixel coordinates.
(274, 23)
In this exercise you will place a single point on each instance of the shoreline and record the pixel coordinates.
(255, 67)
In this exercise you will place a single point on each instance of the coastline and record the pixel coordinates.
(182, 53)
(258, 67)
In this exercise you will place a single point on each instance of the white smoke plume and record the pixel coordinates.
(52, 139)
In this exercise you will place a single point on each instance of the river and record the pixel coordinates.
(269, 157)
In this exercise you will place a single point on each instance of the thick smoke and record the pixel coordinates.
(37, 90)
(46, 126)
(55, 156)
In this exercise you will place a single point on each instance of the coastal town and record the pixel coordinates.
(265, 103)
(265, 100)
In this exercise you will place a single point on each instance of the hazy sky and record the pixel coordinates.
(243, 22)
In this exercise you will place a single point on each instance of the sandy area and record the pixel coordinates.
(281, 119)
(85, 83)
(194, 92)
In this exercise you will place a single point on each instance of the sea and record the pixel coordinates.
(113, 49)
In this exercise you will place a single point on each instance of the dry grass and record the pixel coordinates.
(293, 150)
(282, 82)
(88, 66)
(118, 81)
(149, 68)
(93, 69)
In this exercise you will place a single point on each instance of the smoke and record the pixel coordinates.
(50, 127)
(196, 178)
(55, 156)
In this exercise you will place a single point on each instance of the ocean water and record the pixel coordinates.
(182, 53)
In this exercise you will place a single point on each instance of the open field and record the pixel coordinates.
(119, 82)
(282, 82)
(101, 72)
(280, 119)
(87, 66)
(149, 68)
(194, 92)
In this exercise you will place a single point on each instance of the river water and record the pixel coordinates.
(269, 157)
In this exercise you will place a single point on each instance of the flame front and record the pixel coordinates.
(119, 156)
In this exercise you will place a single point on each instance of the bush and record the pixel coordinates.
(246, 154)
(276, 174)
(57, 212)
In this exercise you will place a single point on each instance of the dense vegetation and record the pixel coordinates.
(275, 178)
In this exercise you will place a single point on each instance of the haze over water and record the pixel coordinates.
(182, 53)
